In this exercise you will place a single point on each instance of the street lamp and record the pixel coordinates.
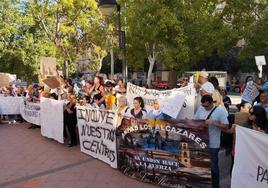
(107, 7)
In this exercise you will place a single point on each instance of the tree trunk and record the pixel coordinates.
(152, 62)
(66, 69)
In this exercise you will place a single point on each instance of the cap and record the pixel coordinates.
(204, 74)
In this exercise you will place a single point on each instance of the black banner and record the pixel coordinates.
(168, 154)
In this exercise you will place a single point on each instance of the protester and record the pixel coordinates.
(96, 102)
(263, 101)
(98, 87)
(258, 119)
(121, 110)
(241, 117)
(216, 95)
(138, 111)
(204, 86)
(21, 92)
(70, 120)
(226, 100)
(248, 79)
(183, 82)
(108, 96)
(120, 88)
(86, 101)
(217, 121)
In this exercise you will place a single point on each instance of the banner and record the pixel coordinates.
(167, 154)
(250, 93)
(51, 115)
(250, 162)
(10, 105)
(97, 134)
(170, 101)
(30, 112)
(48, 67)
(187, 110)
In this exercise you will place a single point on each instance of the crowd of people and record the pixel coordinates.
(212, 105)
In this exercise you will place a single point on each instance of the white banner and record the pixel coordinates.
(188, 106)
(10, 105)
(97, 134)
(170, 101)
(250, 93)
(30, 112)
(52, 119)
(251, 159)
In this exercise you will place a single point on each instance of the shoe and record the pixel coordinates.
(14, 122)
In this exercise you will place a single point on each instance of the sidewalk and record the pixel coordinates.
(29, 160)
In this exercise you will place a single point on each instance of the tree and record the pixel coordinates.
(248, 18)
(149, 26)
(73, 26)
(177, 33)
(21, 42)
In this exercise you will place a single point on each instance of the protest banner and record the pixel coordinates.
(48, 67)
(51, 115)
(30, 112)
(250, 93)
(170, 101)
(187, 110)
(10, 105)
(250, 162)
(97, 134)
(168, 154)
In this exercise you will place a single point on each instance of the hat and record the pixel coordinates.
(204, 74)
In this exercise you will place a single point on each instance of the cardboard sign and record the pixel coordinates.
(54, 82)
(48, 67)
(4, 79)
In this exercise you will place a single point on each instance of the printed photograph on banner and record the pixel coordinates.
(97, 134)
(170, 101)
(168, 154)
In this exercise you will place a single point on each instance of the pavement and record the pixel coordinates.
(29, 160)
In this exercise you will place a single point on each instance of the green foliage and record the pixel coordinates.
(74, 26)
(184, 32)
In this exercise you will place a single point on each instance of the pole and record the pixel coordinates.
(122, 44)
(112, 63)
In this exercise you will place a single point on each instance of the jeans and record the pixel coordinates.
(215, 167)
